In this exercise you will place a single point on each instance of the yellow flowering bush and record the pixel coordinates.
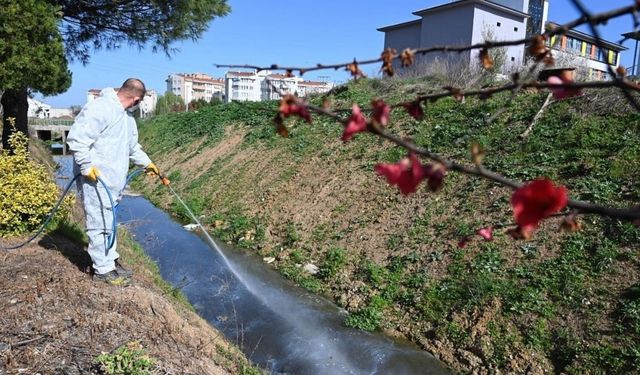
(27, 192)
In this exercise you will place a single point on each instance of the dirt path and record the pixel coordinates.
(55, 320)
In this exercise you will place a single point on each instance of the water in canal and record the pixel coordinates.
(279, 326)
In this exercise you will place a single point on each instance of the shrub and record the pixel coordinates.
(129, 359)
(27, 193)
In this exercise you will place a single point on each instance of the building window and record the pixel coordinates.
(515, 28)
(573, 44)
(513, 58)
(498, 24)
(536, 11)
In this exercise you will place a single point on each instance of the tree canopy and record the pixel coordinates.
(98, 24)
(169, 102)
(32, 58)
(36, 35)
(31, 51)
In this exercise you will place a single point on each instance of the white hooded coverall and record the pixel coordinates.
(105, 136)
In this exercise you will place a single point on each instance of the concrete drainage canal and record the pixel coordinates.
(279, 326)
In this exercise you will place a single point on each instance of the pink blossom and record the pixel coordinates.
(356, 124)
(486, 233)
(381, 112)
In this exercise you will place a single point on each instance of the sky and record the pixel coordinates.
(287, 33)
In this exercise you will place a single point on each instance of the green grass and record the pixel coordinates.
(68, 228)
(537, 292)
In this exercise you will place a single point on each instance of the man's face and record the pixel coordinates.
(135, 104)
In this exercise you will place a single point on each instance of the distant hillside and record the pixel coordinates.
(559, 302)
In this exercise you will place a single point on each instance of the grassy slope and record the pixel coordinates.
(563, 302)
(227, 357)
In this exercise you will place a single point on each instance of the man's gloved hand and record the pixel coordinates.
(152, 170)
(92, 174)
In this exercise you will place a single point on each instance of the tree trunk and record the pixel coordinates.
(15, 105)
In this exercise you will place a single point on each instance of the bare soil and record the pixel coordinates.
(54, 319)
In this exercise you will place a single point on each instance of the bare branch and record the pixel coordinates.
(593, 19)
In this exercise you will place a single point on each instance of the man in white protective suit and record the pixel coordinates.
(103, 140)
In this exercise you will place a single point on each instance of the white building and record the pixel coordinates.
(61, 112)
(244, 86)
(38, 109)
(264, 85)
(195, 86)
(147, 106)
(580, 50)
(463, 23)
(467, 22)
(306, 88)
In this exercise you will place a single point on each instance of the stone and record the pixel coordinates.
(311, 268)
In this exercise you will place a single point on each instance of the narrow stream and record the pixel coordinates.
(279, 326)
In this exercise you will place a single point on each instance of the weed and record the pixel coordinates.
(369, 317)
(129, 359)
(70, 229)
(335, 259)
(291, 235)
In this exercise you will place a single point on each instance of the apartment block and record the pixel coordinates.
(264, 85)
(195, 86)
(582, 51)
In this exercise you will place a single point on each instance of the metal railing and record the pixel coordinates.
(50, 121)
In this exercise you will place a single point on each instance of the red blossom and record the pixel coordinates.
(463, 243)
(380, 112)
(570, 224)
(290, 105)
(409, 172)
(535, 201)
(435, 174)
(387, 61)
(356, 124)
(538, 48)
(354, 69)
(486, 233)
(414, 109)
(407, 56)
(562, 92)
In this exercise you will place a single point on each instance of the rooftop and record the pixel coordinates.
(400, 25)
(241, 74)
(454, 4)
(459, 3)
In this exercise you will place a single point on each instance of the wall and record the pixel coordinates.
(447, 27)
(486, 20)
(403, 37)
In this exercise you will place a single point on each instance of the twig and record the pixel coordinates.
(525, 134)
(596, 33)
(25, 342)
(591, 20)
(255, 347)
(480, 171)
